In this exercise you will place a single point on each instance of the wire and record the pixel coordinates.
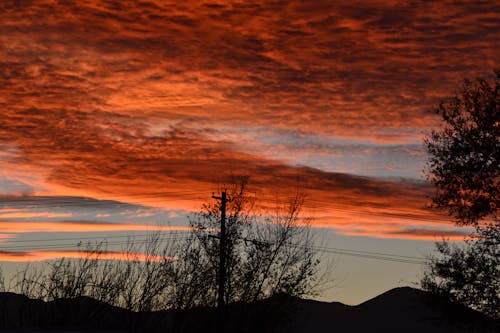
(377, 257)
(70, 246)
(112, 204)
(96, 237)
(356, 253)
(67, 201)
(180, 235)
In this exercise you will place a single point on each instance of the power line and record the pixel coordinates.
(55, 202)
(393, 214)
(369, 252)
(180, 235)
(89, 238)
(70, 246)
(356, 253)
(377, 257)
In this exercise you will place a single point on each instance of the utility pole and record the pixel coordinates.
(222, 263)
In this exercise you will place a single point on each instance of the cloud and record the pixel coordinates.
(82, 226)
(328, 67)
(402, 230)
(148, 102)
(30, 256)
(431, 234)
(27, 215)
(179, 169)
(5, 237)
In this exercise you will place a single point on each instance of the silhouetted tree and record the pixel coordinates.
(266, 255)
(465, 153)
(2, 281)
(468, 274)
(137, 284)
(464, 168)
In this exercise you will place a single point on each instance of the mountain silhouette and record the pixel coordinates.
(398, 310)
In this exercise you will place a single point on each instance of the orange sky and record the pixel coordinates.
(152, 104)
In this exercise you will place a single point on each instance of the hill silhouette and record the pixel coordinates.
(398, 310)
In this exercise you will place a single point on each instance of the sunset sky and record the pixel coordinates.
(121, 117)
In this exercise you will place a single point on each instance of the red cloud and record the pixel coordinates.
(329, 67)
(76, 226)
(49, 255)
(130, 100)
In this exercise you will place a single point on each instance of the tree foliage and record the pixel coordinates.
(470, 274)
(464, 167)
(464, 163)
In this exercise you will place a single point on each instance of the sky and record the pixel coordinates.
(122, 117)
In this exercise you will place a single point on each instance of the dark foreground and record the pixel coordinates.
(398, 310)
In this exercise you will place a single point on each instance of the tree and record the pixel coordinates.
(468, 274)
(266, 255)
(464, 168)
(465, 154)
(133, 283)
